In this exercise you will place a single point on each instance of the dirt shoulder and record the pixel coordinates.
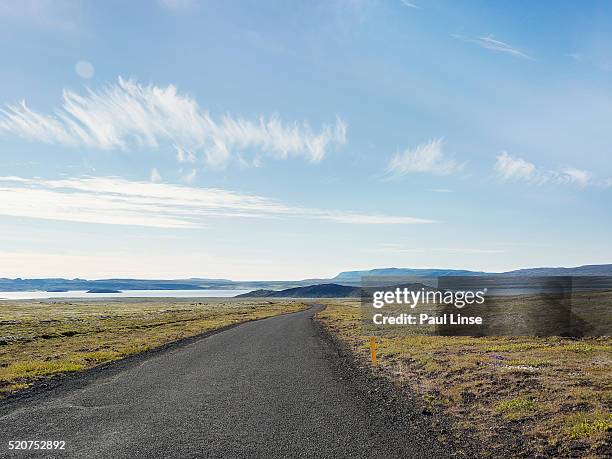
(397, 404)
(510, 397)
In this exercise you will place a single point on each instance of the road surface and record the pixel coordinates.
(267, 388)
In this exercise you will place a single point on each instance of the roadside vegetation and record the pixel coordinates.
(42, 339)
(532, 396)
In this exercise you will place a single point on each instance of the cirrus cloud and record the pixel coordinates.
(117, 201)
(424, 158)
(128, 115)
(490, 43)
(513, 168)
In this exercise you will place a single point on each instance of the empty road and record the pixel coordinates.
(266, 388)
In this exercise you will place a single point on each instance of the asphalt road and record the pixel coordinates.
(267, 388)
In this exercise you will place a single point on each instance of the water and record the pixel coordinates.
(39, 295)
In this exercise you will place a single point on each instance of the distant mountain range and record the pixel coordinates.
(587, 270)
(405, 272)
(344, 279)
(62, 285)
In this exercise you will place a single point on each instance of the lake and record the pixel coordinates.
(39, 295)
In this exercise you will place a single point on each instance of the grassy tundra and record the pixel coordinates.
(550, 396)
(41, 339)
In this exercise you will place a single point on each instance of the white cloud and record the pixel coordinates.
(116, 201)
(509, 167)
(425, 158)
(185, 156)
(128, 115)
(367, 219)
(576, 176)
(513, 168)
(408, 4)
(492, 44)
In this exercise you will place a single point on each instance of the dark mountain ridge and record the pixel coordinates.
(325, 291)
(310, 291)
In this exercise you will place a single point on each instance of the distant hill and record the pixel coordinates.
(322, 291)
(310, 291)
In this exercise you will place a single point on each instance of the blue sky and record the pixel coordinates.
(279, 140)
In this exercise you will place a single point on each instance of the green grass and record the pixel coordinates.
(515, 408)
(512, 347)
(589, 426)
(530, 362)
(100, 356)
(14, 387)
(33, 368)
(587, 348)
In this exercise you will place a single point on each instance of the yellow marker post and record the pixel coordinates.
(373, 350)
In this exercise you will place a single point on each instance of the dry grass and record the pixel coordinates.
(41, 339)
(555, 393)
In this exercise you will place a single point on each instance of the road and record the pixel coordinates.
(267, 388)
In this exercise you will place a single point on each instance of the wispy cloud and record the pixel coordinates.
(185, 156)
(128, 115)
(577, 176)
(490, 43)
(424, 158)
(509, 167)
(408, 4)
(575, 56)
(513, 168)
(116, 201)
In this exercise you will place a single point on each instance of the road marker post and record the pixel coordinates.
(373, 350)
